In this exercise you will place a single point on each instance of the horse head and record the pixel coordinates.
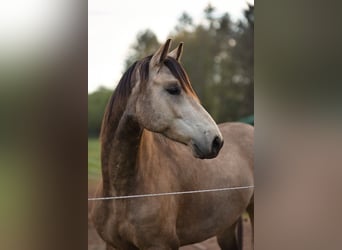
(166, 103)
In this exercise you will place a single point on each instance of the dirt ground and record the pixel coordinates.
(96, 243)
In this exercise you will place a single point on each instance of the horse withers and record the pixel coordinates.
(155, 138)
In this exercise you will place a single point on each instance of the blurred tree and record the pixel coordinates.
(243, 56)
(249, 14)
(185, 23)
(209, 14)
(97, 102)
(145, 45)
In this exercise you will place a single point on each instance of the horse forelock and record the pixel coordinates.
(118, 101)
(179, 72)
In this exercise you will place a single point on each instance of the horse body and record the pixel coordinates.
(136, 160)
(209, 214)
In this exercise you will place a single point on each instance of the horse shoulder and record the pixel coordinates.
(240, 135)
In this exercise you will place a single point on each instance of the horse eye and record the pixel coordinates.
(174, 90)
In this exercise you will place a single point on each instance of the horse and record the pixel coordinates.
(155, 138)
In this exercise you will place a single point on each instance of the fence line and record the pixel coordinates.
(165, 194)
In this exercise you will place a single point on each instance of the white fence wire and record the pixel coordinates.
(170, 193)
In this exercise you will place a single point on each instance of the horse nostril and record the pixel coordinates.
(217, 144)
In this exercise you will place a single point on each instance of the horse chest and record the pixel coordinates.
(147, 217)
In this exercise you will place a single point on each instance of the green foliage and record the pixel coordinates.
(145, 45)
(185, 22)
(97, 102)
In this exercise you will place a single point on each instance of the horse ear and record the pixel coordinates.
(161, 54)
(177, 52)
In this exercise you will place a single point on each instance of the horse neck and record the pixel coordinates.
(119, 155)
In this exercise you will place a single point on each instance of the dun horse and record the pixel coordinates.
(156, 137)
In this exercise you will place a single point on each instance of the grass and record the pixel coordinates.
(94, 165)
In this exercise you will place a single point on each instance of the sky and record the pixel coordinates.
(113, 26)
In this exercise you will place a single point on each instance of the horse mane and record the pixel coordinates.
(179, 72)
(118, 101)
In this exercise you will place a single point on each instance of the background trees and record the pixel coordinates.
(218, 57)
(97, 102)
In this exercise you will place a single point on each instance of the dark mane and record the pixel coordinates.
(117, 103)
(114, 110)
(178, 71)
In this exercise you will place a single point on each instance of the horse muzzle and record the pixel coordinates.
(205, 151)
